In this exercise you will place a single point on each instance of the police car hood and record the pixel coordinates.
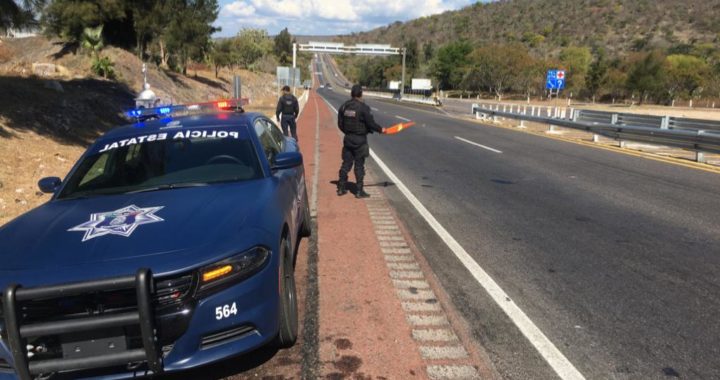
(167, 231)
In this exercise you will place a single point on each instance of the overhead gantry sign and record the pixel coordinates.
(340, 48)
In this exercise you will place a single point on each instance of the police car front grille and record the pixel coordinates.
(175, 290)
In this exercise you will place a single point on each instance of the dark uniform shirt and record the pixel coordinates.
(287, 105)
(356, 121)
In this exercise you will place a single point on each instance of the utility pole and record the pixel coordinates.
(294, 65)
(402, 79)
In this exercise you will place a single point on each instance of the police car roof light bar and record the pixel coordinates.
(222, 105)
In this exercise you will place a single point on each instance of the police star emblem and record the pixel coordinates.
(122, 222)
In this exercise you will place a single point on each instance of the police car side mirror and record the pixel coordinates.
(49, 184)
(287, 160)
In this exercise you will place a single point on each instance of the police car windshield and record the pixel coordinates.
(164, 161)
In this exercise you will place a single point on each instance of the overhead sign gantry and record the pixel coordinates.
(340, 48)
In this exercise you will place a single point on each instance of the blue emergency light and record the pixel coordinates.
(142, 114)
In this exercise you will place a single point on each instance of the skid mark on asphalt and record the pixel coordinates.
(444, 355)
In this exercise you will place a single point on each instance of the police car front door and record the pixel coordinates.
(287, 178)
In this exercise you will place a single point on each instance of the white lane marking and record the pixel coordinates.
(443, 352)
(420, 306)
(374, 109)
(427, 320)
(407, 284)
(446, 372)
(402, 118)
(399, 259)
(480, 145)
(405, 267)
(405, 294)
(434, 335)
(560, 364)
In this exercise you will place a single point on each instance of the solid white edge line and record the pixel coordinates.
(562, 366)
(479, 145)
(552, 355)
(402, 118)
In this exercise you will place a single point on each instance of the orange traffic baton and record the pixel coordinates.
(397, 128)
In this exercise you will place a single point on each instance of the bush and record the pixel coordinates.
(104, 67)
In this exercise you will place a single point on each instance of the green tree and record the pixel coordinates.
(283, 46)
(19, 15)
(597, 73)
(250, 45)
(687, 75)
(428, 51)
(576, 61)
(501, 68)
(646, 76)
(188, 33)
(412, 60)
(450, 64)
(222, 55)
(69, 18)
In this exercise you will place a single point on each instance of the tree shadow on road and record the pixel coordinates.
(71, 112)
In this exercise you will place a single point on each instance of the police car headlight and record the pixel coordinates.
(233, 270)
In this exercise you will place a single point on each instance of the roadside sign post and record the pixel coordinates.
(237, 87)
(402, 79)
(555, 82)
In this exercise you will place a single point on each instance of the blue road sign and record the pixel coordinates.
(555, 80)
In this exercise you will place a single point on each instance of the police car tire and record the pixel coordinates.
(306, 227)
(288, 316)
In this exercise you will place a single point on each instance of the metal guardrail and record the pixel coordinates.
(693, 134)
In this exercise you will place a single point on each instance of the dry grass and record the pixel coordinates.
(43, 132)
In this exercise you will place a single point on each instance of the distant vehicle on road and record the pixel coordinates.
(170, 245)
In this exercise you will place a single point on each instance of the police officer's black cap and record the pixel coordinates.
(356, 91)
(286, 88)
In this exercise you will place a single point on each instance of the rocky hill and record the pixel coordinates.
(548, 25)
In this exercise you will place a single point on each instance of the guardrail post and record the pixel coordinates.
(700, 157)
(665, 122)
(613, 121)
(523, 112)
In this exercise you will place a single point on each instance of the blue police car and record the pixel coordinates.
(170, 244)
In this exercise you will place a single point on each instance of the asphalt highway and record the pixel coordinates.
(615, 258)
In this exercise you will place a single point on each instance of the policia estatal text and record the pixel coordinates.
(289, 109)
(355, 121)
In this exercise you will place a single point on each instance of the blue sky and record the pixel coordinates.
(324, 17)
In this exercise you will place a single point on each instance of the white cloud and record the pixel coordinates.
(324, 17)
(238, 9)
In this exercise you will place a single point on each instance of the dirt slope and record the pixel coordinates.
(49, 113)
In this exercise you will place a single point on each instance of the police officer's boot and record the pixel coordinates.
(341, 190)
(360, 192)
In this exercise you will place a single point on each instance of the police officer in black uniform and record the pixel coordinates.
(355, 121)
(289, 108)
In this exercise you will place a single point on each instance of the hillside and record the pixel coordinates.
(547, 25)
(50, 112)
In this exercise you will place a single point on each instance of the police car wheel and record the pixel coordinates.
(287, 335)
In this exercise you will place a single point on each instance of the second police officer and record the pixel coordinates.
(355, 121)
(289, 108)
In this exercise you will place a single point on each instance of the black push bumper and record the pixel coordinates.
(20, 326)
